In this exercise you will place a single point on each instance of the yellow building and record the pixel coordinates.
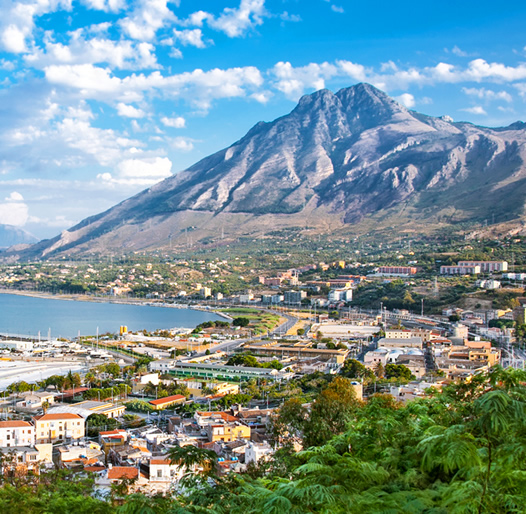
(110, 410)
(227, 432)
(168, 401)
(58, 427)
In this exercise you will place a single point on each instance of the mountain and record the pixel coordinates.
(354, 160)
(10, 236)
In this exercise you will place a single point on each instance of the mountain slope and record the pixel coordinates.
(334, 161)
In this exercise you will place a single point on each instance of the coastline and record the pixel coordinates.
(113, 300)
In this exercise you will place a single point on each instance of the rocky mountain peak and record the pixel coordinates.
(336, 159)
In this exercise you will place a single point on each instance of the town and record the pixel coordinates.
(123, 406)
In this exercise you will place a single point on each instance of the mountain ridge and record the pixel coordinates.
(336, 159)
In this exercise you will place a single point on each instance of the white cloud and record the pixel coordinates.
(262, 96)
(13, 211)
(293, 81)
(102, 146)
(487, 94)
(14, 40)
(198, 87)
(143, 172)
(17, 21)
(457, 51)
(406, 99)
(285, 16)
(477, 109)
(147, 19)
(105, 5)
(183, 144)
(118, 54)
(236, 22)
(178, 122)
(190, 37)
(175, 53)
(129, 111)
(337, 8)
(14, 197)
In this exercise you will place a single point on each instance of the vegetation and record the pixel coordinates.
(460, 451)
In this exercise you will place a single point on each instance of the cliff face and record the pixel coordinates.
(344, 156)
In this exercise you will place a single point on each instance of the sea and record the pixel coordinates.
(43, 317)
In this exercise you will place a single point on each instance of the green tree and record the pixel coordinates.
(399, 372)
(330, 412)
(353, 368)
(241, 322)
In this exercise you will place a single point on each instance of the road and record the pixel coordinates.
(231, 345)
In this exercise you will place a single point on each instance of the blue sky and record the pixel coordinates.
(100, 99)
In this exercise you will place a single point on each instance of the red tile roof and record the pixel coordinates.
(161, 462)
(15, 424)
(120, 472)
(168, 399)
(57, 416)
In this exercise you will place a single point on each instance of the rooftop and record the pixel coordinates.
(14, 424)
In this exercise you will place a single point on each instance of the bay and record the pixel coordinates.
(27, 316)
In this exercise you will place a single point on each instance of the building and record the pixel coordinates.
(227, 431)
(254, 452)
(168, 401)
(110, 410)
(403, 333)
(291, 297)
(299, 352)
(20, 460)
(163, 473)
(21, 346)
(486, 266)
(340, 295)
(53, 427)
(112, 438)
(409, 342)
(401, 271)
(460, 270)
(212, 371)
(16, 433)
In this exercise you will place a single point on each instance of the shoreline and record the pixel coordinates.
(121, 301)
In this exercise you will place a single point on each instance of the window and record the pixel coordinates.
(159, 473)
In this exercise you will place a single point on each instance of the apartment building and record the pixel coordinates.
(58, 427)
(486, 266)
(16, 433)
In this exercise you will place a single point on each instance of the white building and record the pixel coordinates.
(21, 346)
(340, 295)
(254, 452)
(16, 433)
(163, 473)
(486, 266)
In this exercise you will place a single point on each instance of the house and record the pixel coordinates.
(53, 427)
(257, 451)
(16, 433)
(36, 401)
(224, 431)
(20, 460)
(69, 456)
(163, 474)
(129, 476)
(112, 438)
(129, 455)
